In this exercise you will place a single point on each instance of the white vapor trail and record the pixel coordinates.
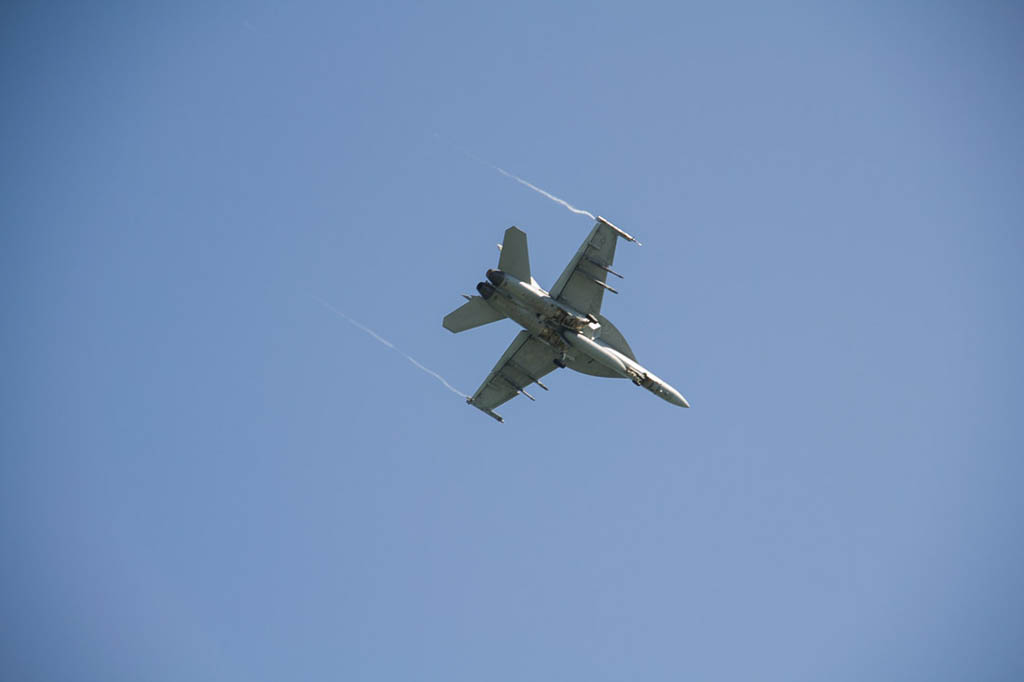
(392, 346)
(563, 202)
(518, 179)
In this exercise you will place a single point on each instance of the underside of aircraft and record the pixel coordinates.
(562, 328)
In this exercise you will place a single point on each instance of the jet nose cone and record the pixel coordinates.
(675, 397)
(495, 277)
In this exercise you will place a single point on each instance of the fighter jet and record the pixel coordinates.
(562, 327)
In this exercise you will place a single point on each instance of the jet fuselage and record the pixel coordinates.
(566, 330)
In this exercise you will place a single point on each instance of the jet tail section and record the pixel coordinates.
(472, 314)
(515, 258)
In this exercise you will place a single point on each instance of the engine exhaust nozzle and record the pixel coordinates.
(496, 277)
(485, 290)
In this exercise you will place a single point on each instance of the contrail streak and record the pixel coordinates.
(392, 346)
(518, 179)
(563, 202)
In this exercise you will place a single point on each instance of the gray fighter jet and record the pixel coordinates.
(563, 327)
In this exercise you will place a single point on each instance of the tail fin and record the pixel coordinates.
(515, 258)
(472, 314)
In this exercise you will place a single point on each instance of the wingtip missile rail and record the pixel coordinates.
(490, 413)
(622, 233)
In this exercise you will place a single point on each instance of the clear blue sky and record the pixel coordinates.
(207, 475)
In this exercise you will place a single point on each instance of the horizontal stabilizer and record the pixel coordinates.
(472, 314)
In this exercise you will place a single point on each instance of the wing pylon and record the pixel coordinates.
(524, 362)
(583, 282)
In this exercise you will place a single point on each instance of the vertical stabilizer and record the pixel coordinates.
(515, 259)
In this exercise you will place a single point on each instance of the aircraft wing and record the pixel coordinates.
(524, 363)
(582, 283)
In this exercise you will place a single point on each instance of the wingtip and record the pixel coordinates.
(619, 231)
(489, 413)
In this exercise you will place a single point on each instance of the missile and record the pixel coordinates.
(622, 233)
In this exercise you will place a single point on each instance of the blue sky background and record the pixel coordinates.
(207, 475)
